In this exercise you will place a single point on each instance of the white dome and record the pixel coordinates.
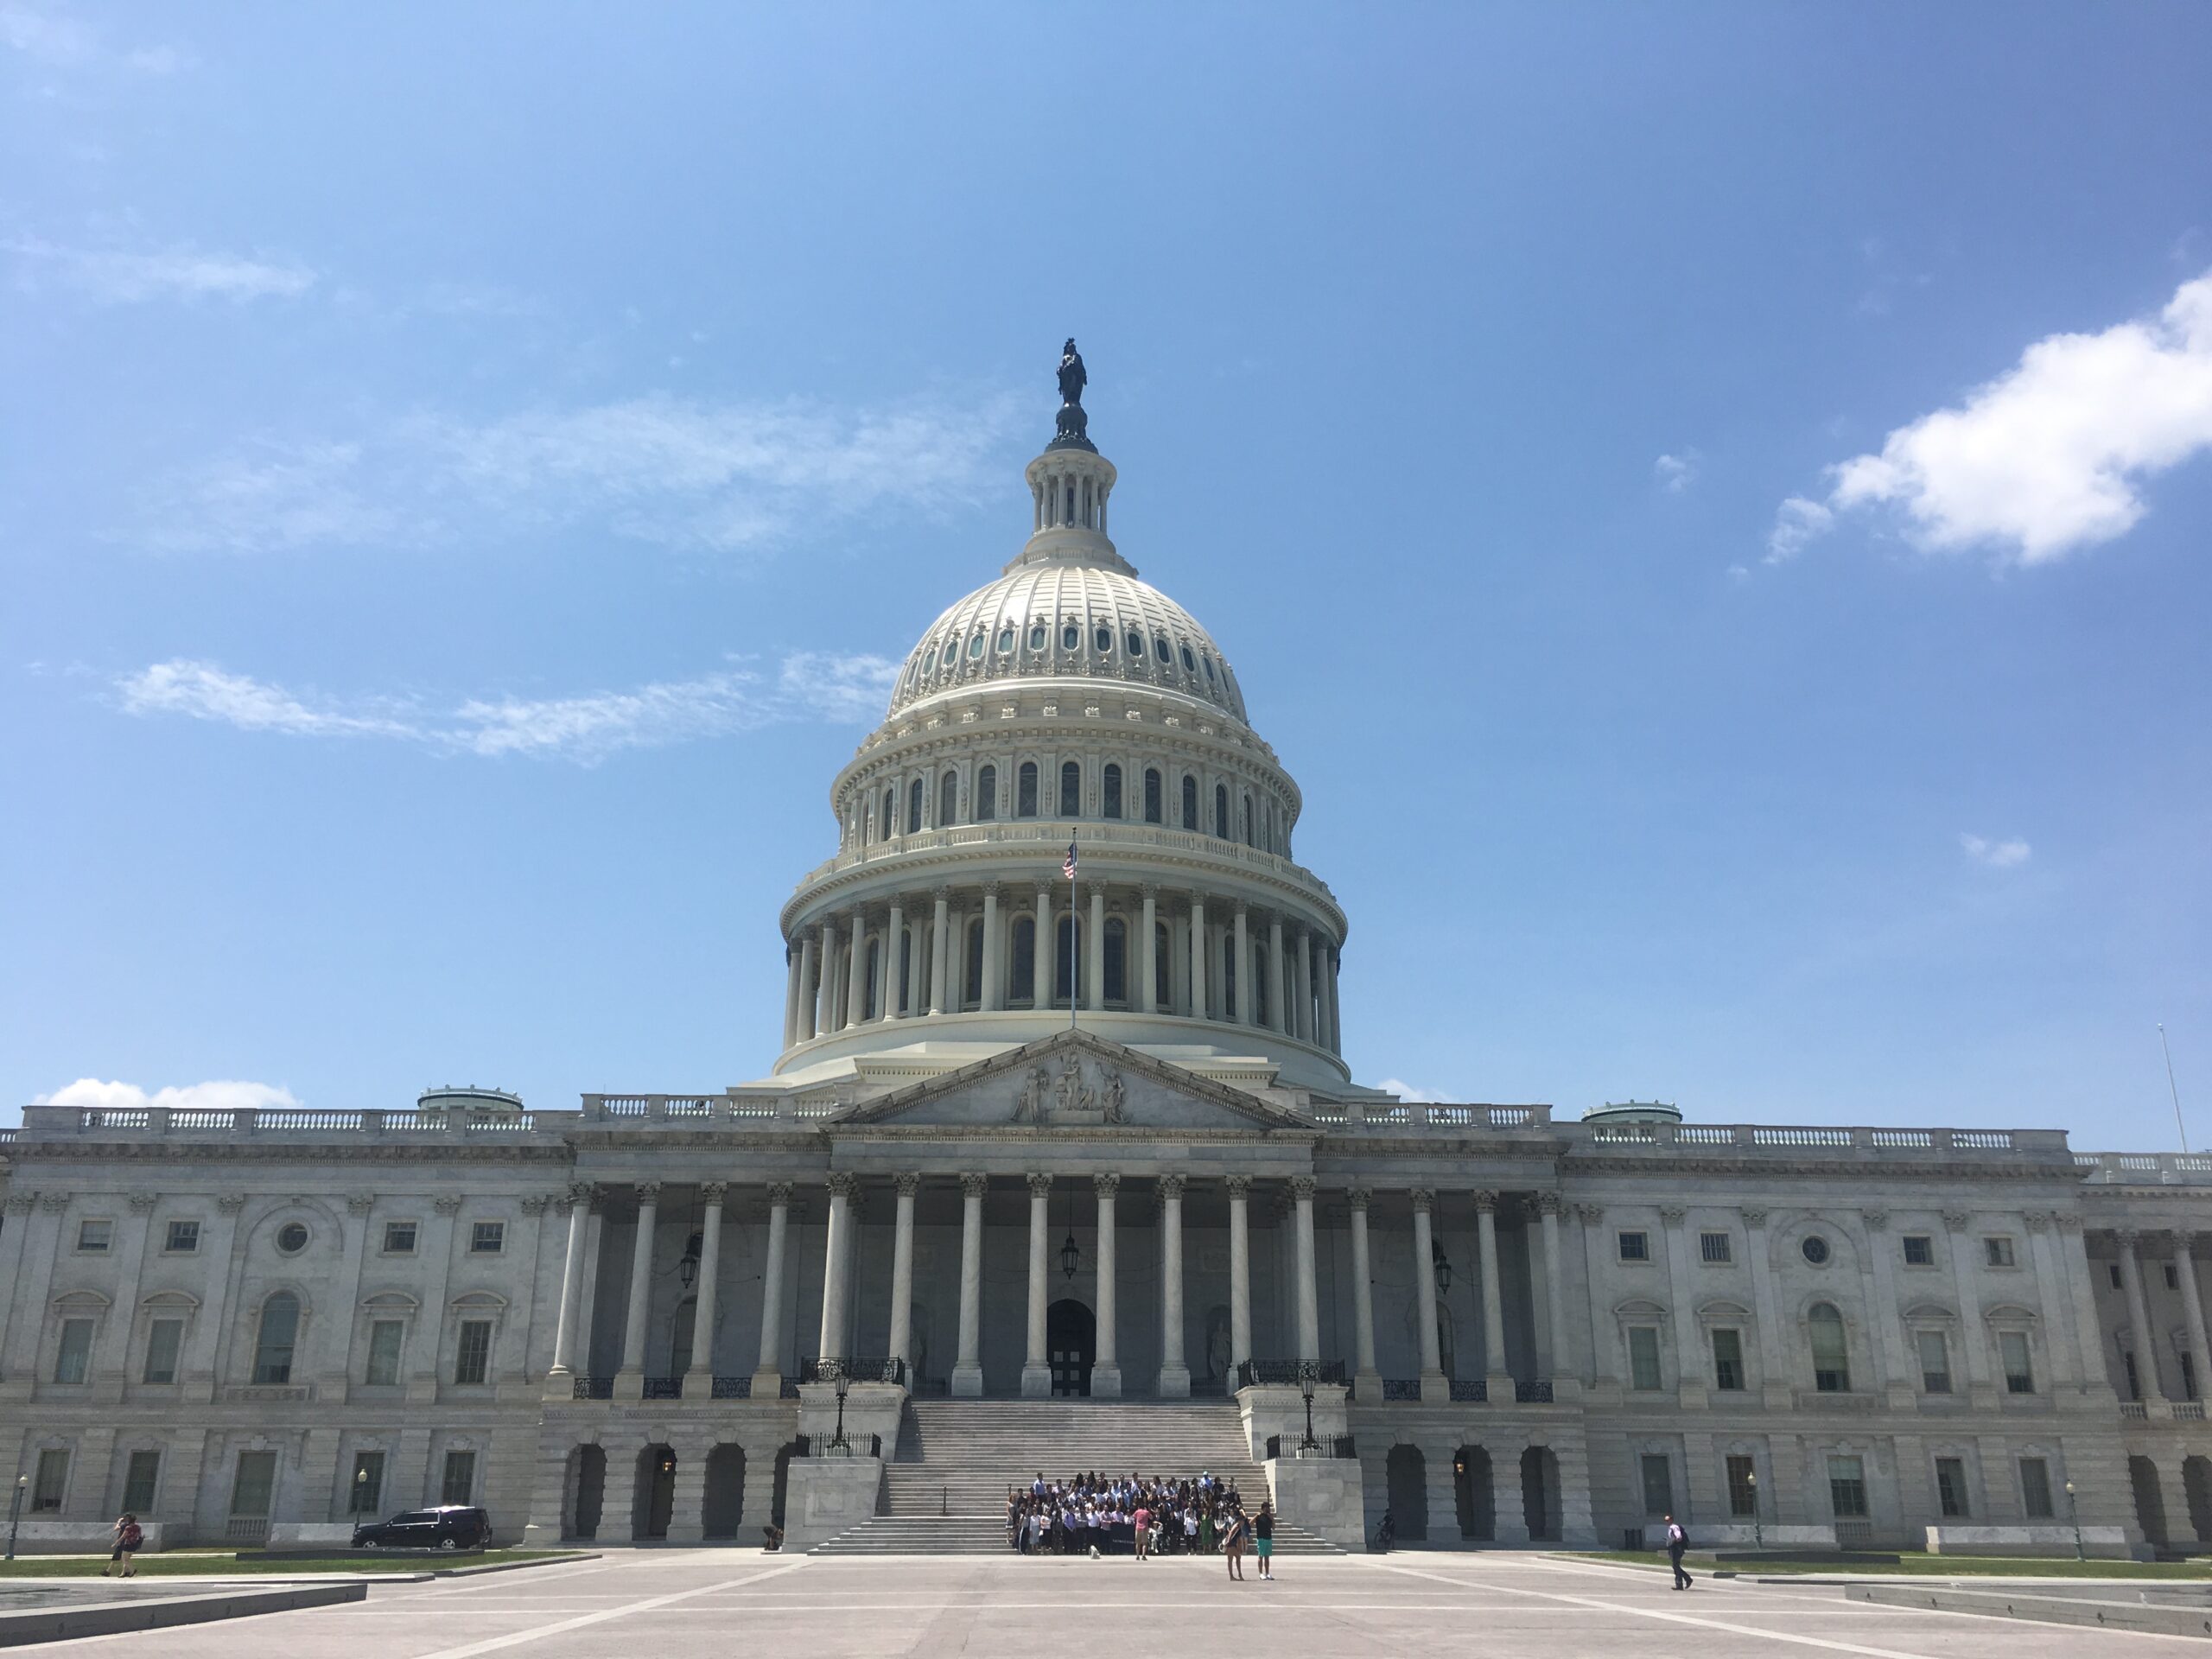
(1063, 620)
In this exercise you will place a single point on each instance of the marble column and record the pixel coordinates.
(567, 1330)
(2139, 1320)
(2199, 1357)
(1973, 1335)
(804, 1026)
(1775, 1374)
(1094, 955)
(1887, 1317)
(940, 929)
(1200, 936)
(1175, 1374)
(1105, 1361)
(1555, 1285)
(1432, 1387)
(1309, 1299)
(836, 1266)
(894, 964)
(1692, 1370)
(825, 974)
(700, 1380)
(1367, 1381)
(902, 1273)
(991, 986)
(641, 1286)
(1242, 1013)
(1036, 1371)
(791, 995)
(1240, 1273)
(1046, 952)
(856, 974)
(2074, 1257)
(1301, 973)
(1145, 1000)
(1330, 963)
(967, 1373)
(1278, 1010)
(767, 1372)
(1493, 1301)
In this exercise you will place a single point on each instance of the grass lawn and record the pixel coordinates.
(188, 1564)
(1911, 1565)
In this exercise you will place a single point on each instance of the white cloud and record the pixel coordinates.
(808, 686)
(2050, 457)
(1411, 1092)
(127, 276)
(1677, 473)
(224, 1096)
(53, 40)
(1995, 855)
(1798, 522)
(723, 477)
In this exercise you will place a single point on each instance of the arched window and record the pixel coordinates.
(947, 799)
(274, 1342)
(1067, 964)
(1249, 841)
(914, 807)
(1228, 974)
(1024, 791)
(1024, 988)
(987, 794)
(1117, 956)
(1152, 795)
(1071, 789)
(972, 970)
(1110, 788)
(889, 822)
(1190, 803)
(1162, 949)
(1831, 1355)
(1221, 811)
(870, 1006)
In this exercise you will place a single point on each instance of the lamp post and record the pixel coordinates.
(1308, 1374)
(838, 1443)
(2074, 1515)
(1758, 1523)
(360, 1488)
(16, 1512)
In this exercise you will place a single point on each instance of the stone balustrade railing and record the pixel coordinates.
(40, 1122)
(1797, 1138)
(2145, 1168)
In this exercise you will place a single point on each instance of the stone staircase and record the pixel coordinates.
(945, 1493)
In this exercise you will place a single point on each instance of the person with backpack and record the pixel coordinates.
(1677, 1542)
(128, 1536)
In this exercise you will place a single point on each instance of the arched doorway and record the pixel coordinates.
(654, 1501)
(724, 1508)
(2196, 1487)
(1072, 1343)
(1539, 1493)
(1473, 1495)
(587, 1491)
(2150, 1502)
(1407, 1473)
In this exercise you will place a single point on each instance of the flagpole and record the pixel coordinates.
(1072, 998)
(2171, 1087)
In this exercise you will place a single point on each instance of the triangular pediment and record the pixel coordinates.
(1074, 1080)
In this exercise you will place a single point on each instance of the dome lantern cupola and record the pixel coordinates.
(1068, 487)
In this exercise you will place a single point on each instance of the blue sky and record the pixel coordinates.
(1711, 503)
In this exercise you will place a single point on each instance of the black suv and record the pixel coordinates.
(449, 1526)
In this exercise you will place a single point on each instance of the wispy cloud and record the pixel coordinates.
(585, 728)
(56, 40)
(1677, 473)
(131, 277)
(718, 476)
(2048, 458)
(1995, 855)
(220, 1096)
(1413, 1092)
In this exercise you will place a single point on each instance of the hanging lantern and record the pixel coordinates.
(1443, 1264)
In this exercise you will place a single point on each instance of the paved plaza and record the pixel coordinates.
(674, 1604)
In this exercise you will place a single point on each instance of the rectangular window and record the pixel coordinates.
(1847, 1488)
(2134, 1382)
(181, 1239)
(2187, 1377)
(1919, 1251)
(52, 1483)
(1743, 1488)
(1951, 1488)
(93, 1238)
(1714, 1246)
(488, 1237)
(164, 1341)
(1998, 1252)
(253, 1484)
(2019, 1369)
(1635, 1247)
(399, 1238)
(1151, 796)
(474, 1361)
(74, 1357)
(2113, 1269)
(384, 1352)
(2035, 1488)
(2173, 1278)
(142, 1480)
(365, 1494)
(1643, 1358)
(1658, 1484)
(1728, 1361)
(459, 1484)
(1935, 1361)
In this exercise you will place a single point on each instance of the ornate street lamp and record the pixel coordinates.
(2074, 1515)
(1758, 1523)
(1071, 1256)
(22, 1485)
(360, 1486)
(687, 1265)
(1443, 1265)
(838, 1444)
(1308, 1374)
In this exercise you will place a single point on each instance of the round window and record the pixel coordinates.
(1070, 637)
(1814, 1249)
(1036, 636)
(292, 1237)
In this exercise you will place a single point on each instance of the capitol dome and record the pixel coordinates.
(1065, 702)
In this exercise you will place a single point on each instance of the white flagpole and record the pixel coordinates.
(2171, 1088)
(1074, 865)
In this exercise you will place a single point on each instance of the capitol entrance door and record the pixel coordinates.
(1072, 1343)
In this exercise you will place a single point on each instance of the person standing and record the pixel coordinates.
(1677, 1542)
(128, 1536)
(1143, 1519)
(1263, 1541)
(1233, 1544)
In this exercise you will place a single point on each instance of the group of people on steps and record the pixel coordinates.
(1098, 1514)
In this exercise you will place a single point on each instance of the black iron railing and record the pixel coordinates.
(733, 1388)
(1289, 1373)
(789, 1390)
(1402, 1388)
(595, 1388)
(1469, 1389)
(1334, 1446)
(853, 1371)
(663, 1388)
(1538, 1393)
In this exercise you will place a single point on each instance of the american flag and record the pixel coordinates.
(1068, 868)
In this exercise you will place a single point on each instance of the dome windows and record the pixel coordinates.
(1024, 791)
(1005, 637)
(1190, 661)
(1134, 642)
(975, 649)
(1070, 790)
(1101, 640)
(1071, 636)
(1159, 647)
(1110, 790)
(952, 653)
(1037, 635)
(1208, 661)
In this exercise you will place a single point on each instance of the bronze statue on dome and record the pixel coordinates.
(1071, 430)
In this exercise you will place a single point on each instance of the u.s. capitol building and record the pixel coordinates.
(1030, 1138)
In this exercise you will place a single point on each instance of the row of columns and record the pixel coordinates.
(2131, 1245)
(829, 982)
